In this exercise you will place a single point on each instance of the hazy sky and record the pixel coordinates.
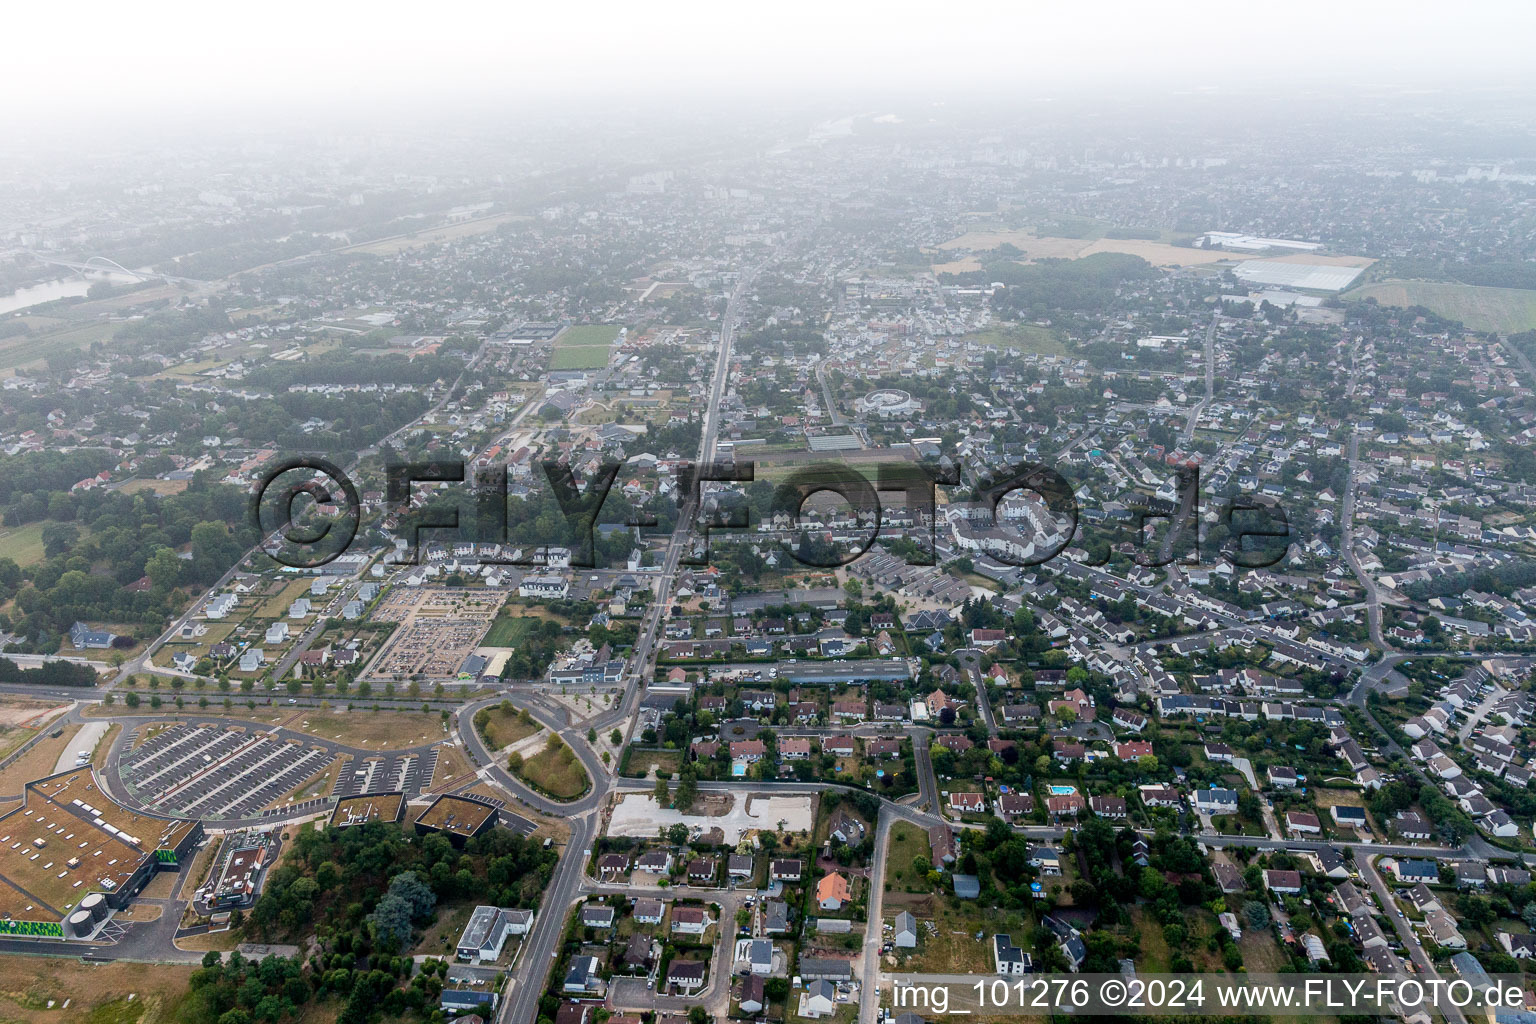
(192, 55)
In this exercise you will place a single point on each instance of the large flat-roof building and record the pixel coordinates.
(69, 839)
(359, 810)
(458, 817)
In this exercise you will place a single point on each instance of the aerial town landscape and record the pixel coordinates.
(710, 569)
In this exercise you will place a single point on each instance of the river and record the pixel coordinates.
(63, 288)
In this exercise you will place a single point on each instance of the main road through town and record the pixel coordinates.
(522, 1004)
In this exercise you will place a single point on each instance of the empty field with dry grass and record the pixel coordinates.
(1505, 310)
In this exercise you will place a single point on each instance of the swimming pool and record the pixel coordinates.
(1063, 790)
(739, 770)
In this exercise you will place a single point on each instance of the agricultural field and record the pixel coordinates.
(584, 347)
(25, 349)
(1479, 308)
(1035, 247)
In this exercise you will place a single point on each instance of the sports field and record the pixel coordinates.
(1505, 310)
(584, 347)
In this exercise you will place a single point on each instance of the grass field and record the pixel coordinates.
(97, 993)
(1035, 247)
(584, 335)
(504, 727)
(663, 762)
(906, 843)
(386, 730)
(276, 606)
(157, 486)
(35, 763)
(588, 357)
(1505, 310)
(1022, 337)
(22, 544)
(584, 347)
(434, 236)
(555, 770)
(25, 349)
(508, 630)
(451, 763)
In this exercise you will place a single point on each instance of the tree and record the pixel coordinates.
(391, 920)
(409, 886)
(163, 568)
(687, 790)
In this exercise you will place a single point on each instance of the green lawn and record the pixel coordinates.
(1505, 310)
(907, 842)
(588, 357)
(508, 630)
(1023, 337)
(586, 334)
(584, 347)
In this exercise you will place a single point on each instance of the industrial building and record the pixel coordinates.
(69, 840)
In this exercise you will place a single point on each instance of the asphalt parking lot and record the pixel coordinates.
(211, 772)
(385, 773)
(216, 770)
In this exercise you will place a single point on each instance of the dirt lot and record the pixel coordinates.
(638, 815)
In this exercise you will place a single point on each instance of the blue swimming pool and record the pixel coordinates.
(1063, 790)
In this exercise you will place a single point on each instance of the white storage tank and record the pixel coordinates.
(80, 924)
